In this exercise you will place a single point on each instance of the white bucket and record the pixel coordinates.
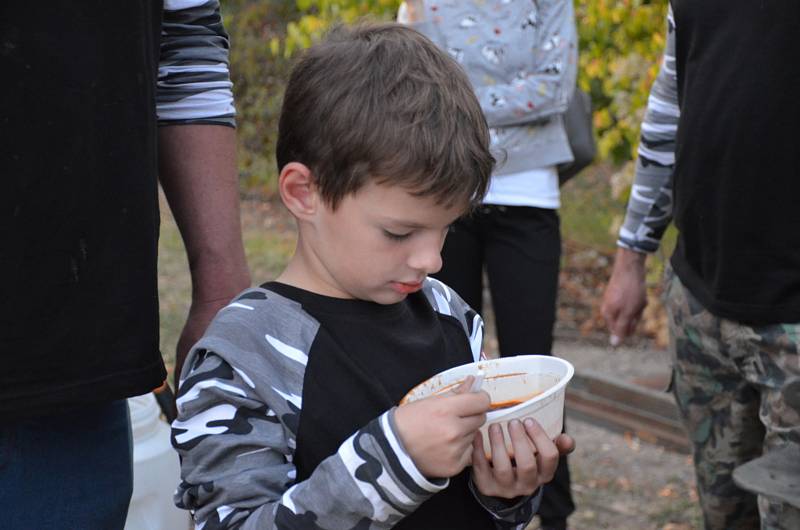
(156, 471)
(534, 385)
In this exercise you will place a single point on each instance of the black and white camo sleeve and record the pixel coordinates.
(194, 84)
(239, 405)
(445, 301)
(650, 205)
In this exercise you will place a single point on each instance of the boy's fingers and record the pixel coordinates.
(565, 444)
(466, 456)
(482, 467)
(469, 424)
(524, 451)
(470, 404)
(501, 462)
(520, 441)
(479, 462)
(537, 434)
(547, 458)
(465, 385)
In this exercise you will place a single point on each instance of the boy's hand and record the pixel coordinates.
(438, 431)
(535, 456)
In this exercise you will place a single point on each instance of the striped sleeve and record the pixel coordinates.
(650, 205)
(239, 404)
(446, 301)
(194, 84)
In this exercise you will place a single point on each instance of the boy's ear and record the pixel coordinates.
(298, 190)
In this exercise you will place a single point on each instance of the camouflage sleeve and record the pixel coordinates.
(650, 204)
(446, 301)
(239, 404)
(194, 84)
(515, 514)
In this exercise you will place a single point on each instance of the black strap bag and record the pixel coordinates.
(580, 132)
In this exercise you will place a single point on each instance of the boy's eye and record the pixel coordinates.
(394, 236)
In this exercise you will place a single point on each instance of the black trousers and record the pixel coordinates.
(520, 247)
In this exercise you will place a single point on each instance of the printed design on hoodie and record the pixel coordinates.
(521, 58)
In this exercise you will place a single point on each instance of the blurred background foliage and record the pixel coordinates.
(621, 43)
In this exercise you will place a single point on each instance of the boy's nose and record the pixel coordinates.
(427, 259)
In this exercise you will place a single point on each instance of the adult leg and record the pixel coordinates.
(69, 470)
(462, 260)
(523, 252)
(768, 358)
(719, 408)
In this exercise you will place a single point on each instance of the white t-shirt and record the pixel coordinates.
(536, 187)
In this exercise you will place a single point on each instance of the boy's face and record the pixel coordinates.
(379, 243)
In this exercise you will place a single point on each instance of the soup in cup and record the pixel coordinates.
(524, 386)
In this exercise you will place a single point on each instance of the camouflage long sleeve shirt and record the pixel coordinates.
(239, 406)
(650, 205)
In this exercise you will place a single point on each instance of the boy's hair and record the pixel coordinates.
(382, 102)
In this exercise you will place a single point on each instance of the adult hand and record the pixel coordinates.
(438, 431)
(625, 296)
(535, 458)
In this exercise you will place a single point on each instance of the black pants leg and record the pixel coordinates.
(462, 260)
(521, 249)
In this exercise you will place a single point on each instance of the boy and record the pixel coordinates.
(287, 406)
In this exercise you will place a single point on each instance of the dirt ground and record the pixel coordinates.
(620, 481)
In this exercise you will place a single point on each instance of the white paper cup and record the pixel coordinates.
(532, 386)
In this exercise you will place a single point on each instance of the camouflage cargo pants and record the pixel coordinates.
(728, 381)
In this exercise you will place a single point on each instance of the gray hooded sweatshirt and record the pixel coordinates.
(521, 57)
